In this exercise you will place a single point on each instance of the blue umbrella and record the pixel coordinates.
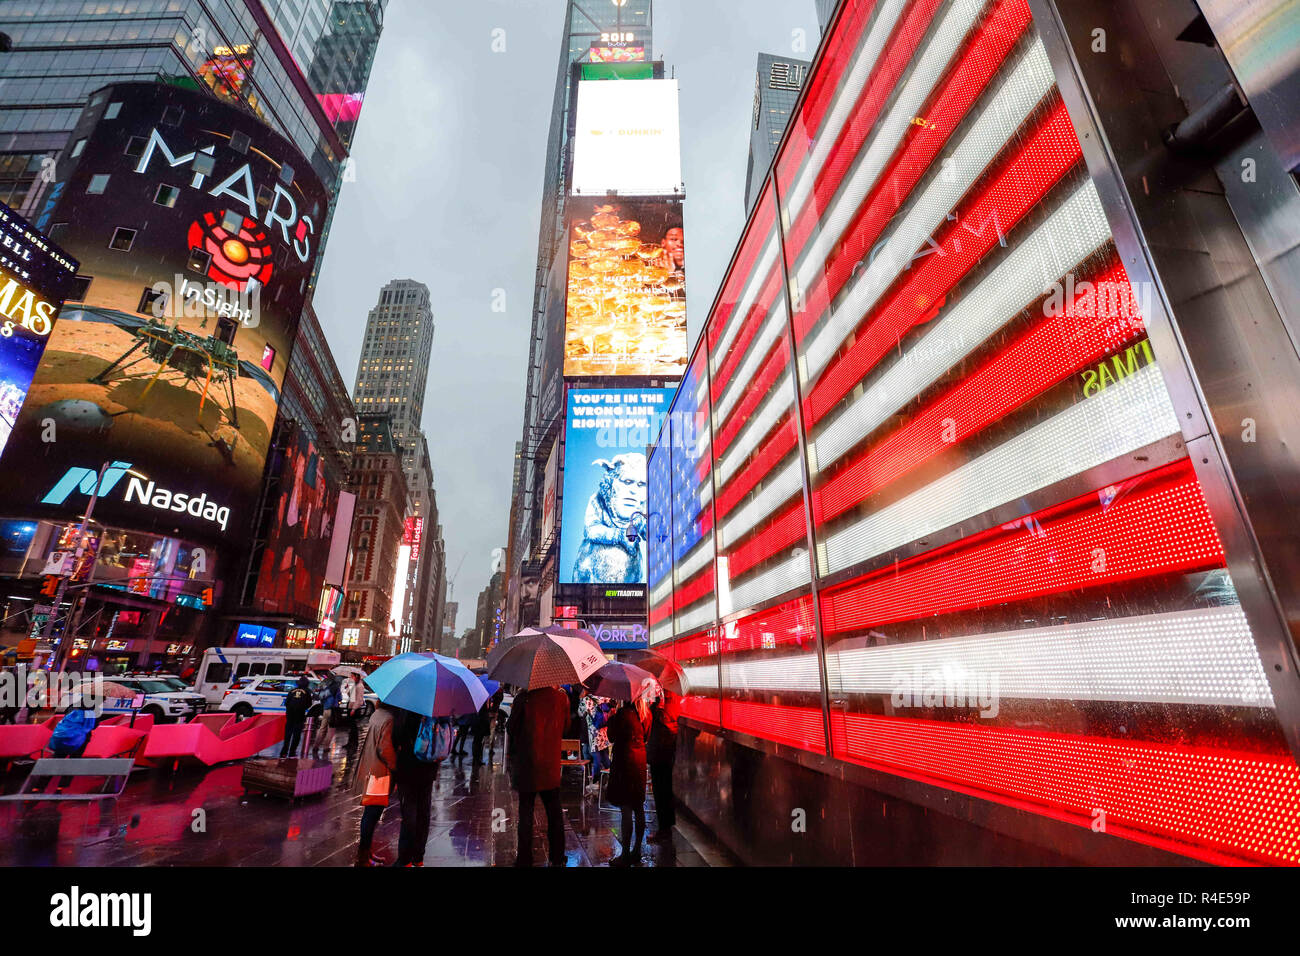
(492, 685)
(428, 683)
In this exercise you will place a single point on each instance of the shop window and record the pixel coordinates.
(135, 146)
(113, 110)
(98, 183)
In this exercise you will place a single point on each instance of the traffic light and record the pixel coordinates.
(207, 597)
(51, 586)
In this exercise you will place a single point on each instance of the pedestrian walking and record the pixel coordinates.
(626, 789)
(535, 728)
(661, 754)
(463, 725)
(356, 704)
(422, 743)
(296, 704)
(374, 780)
(328, 697)
(479, 728)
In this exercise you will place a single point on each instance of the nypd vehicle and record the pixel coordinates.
(263, 695)
(155, 696)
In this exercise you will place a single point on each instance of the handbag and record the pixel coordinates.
(376, 794)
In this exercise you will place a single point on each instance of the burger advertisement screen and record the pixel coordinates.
(626, 293)
(604, 525)
(35, 277)
(626, 139)
(297, 552)
(196, 228)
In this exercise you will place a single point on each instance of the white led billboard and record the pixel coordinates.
(627, 138)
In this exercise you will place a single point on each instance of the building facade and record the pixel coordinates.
(963, 537)
(393, 371)
(776, 88)
(368, 625)
(255, 55)
(585, 22)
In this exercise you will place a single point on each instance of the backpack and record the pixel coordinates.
(433, 741)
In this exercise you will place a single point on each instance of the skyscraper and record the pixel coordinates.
(260, 58)
(825, 10)
(776, 88)
(585, 23)
(394, 367)
(391, 378)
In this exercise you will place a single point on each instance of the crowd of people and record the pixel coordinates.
(629, 740)
(633, 742)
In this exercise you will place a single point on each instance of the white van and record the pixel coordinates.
(222, 666)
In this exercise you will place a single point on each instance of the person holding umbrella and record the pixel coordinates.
(424, 689)
(541, 662)
(627, 776)
(535, 729)
(377, 762)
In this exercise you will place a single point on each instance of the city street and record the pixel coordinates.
(152, 824)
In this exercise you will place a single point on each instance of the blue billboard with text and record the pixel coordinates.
(604, 522)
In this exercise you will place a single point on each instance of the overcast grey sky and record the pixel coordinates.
(448, 162)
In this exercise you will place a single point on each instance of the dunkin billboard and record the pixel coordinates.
(196, 229)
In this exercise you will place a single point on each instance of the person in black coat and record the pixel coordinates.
(661, 754)
(626, 788)
(296, 704)
(536, 726)
(414, 781)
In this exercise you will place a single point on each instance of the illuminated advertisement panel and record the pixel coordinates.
(35, 277)
(627, 139)
(196, 229)
(294, 563)
(626, 292)
(605, 524)
(1021, 593)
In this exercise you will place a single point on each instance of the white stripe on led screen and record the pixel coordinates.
(699, 556)
(698, 617)
(779, 401)
(1124, 417)
(864, 64)
(1073, 232)
(790, 573)
(1022, 90)
(779, 489)
(931, 64)
(661, 590)
(1204, 656)
(742, 377)
(754, 285)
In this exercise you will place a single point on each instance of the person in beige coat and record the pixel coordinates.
(378, 758)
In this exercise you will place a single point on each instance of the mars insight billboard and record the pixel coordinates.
(196, 228)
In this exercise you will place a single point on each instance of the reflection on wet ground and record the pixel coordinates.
(201, 817)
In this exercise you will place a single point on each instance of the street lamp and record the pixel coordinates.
(65, 643)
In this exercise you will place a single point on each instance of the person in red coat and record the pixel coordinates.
(538, 718)
(626, 788)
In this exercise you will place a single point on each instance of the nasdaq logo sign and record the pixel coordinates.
(83, 480)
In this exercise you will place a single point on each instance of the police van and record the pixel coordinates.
(222, 666)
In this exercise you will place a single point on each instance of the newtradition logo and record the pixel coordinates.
(138, 490)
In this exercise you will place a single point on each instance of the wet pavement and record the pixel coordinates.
(199, 816)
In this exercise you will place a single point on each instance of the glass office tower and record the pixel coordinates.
(257, 54)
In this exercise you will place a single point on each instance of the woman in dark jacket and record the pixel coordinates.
(626, 788)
